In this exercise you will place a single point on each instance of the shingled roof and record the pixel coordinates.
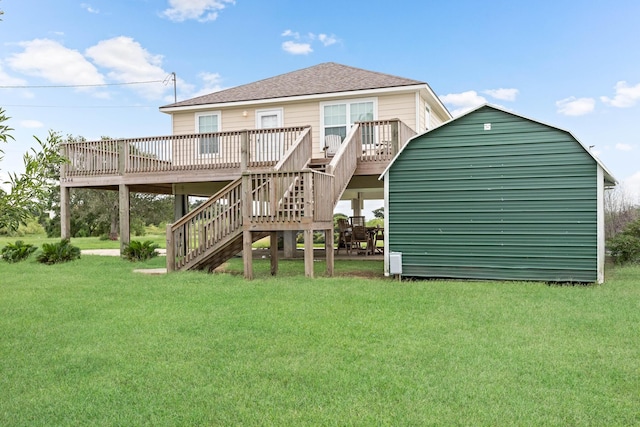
(328, 77)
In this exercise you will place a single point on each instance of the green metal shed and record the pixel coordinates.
(495, 195)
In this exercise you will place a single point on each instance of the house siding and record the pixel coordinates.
(517, 202)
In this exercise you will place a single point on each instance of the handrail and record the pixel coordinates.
(212, 222)
(298, 154)
(216, 150)
(345, 161)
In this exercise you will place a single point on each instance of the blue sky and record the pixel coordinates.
(572, 64)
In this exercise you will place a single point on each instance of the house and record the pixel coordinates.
(495, 195)
(273, 156)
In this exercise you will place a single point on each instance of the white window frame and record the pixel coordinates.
(197, 128)
(279, 112)
(347, 103)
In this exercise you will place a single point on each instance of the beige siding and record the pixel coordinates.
(401, 106)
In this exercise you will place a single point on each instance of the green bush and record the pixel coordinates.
(625, 246)
(54, 253)
(140, 251)
(18, 251)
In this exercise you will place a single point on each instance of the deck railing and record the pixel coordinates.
(213, 222)
(382, 139)
(257, 148)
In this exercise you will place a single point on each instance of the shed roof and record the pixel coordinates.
(325, 78)
(609, 178)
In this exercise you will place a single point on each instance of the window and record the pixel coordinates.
(208, 123)
(338, 118)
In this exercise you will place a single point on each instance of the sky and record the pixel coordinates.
(96, 68)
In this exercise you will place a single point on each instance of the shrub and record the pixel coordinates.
(140, 251)
(18, 251)
(625, 246)
(54, 253)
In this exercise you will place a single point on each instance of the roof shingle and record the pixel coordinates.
(328, 77)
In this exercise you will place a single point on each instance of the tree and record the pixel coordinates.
(619, 209)
(28, 192)
(378, 213)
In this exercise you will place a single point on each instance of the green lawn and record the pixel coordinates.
(91, 343)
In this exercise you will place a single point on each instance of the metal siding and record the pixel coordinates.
(516, 202)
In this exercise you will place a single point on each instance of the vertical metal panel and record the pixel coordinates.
(516, 202)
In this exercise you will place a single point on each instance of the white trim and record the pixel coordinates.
(386, 226)
(417, 112)
(600, 225)
(328, 96)
(607, 174)
(197, 130)
(346, 102)
(279, 112)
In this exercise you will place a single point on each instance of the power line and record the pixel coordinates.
(83, 85)
(79, 106)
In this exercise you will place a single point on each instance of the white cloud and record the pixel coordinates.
(52, 61)
(503, 94)
(7, 80)
(624, 147)
(327, 40)
(88, 8)
(200, 10)
(289, 33)
(573, 106)
(301, 45)
(295, 48)
(211, 83)
(31, 124)
(130, 62)
(626, 96)
(463, 102)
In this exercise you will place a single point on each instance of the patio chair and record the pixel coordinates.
(331, 145)
(357, 220)
(344, 237)
(359, 236)
(378, 237)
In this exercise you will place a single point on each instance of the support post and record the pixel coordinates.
(65, 213)
(125, 232)
(171, 250)
(180, 206)
(273, 247)
(289, 242)
(308, 252)
(395, 140)
(328, 248)
(122, 157)
(247, 255)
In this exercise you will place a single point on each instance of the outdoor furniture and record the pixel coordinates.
(378, 237)
(360, 236)
(344, 237)
(331, 145)
(357, 221)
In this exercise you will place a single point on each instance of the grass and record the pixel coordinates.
(91, 343)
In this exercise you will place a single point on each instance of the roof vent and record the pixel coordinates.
(487, 126)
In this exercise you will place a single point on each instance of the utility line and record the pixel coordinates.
(84, 85)
(79, 106)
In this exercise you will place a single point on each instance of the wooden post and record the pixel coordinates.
(65, 212)
(328, 248)
(247, 254)
(289, 243)
(308, 252)
(395, 143)
(171, 250)
(244, 151)
(273, 246)
(125, 232)
(122, 156)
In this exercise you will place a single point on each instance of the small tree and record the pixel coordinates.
(625, 246)
(30, 190)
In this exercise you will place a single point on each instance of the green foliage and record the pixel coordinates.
(625, 246)
(378, 213)
(55, 253)
(18, 251)
(30, 191)
(140, 251)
